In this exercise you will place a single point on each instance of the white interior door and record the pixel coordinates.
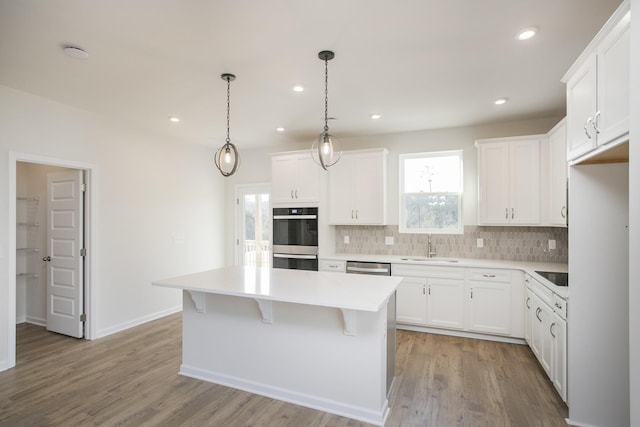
(65, 275)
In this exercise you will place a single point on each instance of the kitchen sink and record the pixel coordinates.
(430, 260)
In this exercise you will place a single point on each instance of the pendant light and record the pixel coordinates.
(324, 150)
(227, 158)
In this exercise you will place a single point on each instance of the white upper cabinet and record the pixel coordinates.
(295, 179)
(598, 90)
(358, 187)
(557, 173)
(509, 181)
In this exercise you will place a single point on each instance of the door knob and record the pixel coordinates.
(47, 258)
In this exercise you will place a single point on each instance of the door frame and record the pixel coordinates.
(90, 224)
(238, 229)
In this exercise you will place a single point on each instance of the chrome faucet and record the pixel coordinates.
(431, 250)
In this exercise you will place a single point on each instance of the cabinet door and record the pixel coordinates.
(493, 174)
(558, 175)
(581, 109)
(489, 307)
(528, 315)
(307, 184)
(341, 210)
(411, 301)
(612, 119)
(558, 330)
(368, 188)
(284, 171)
(445, 303)
(540, 334)
(524, 182)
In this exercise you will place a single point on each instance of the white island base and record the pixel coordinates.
(329, 358)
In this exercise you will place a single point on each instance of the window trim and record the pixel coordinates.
(402, 194)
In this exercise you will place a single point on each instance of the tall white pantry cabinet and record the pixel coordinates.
(598, 144)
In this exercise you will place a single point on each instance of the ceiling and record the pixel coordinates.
(421, 64)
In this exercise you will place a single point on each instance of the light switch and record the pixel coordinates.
(388, 240)
(346, 240)
(480, 243)
(552, 244)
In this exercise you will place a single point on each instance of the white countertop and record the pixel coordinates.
(527, 267)
(326, 289)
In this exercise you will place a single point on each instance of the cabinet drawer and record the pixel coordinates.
(338, 266)
(560, 306)
(489, 275)
(540, 290)
(427, 271)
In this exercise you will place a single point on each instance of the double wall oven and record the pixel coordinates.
(295, 238)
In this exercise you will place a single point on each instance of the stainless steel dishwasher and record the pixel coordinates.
(382, 269)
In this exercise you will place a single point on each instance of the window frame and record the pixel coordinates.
(402, 195)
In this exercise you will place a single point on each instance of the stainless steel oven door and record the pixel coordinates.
(295, 261)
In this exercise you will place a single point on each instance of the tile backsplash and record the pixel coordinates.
(505, 243)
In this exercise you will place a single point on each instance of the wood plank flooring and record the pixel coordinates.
(131, 379)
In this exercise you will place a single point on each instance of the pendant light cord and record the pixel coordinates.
(228, 106)
(326, 95)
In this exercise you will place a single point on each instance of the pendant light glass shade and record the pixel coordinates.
(324, 150)
(227, 159)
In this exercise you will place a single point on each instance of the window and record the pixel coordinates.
(431, 192)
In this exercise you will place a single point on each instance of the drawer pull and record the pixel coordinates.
(538, 310)
(488, 275)
(527, 303)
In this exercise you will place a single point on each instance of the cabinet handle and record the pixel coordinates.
(351, 213)
(424, 291)
(506, 213)
(46, 259)
(356, 213)
(551, 329)
(589, 120)
(538, 310)
(596, 120)
(513, 213)
(292, 194)
(296, 194)
(527, 303)
(471, 293)
(488, 275)
(429, 289)
(563, 212)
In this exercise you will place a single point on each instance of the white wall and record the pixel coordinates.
(160, 206)
(256, 164)
(634, 222)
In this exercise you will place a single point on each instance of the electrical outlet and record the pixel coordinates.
(552, 244)
(480, 243)
(388, 240)
(346, 240)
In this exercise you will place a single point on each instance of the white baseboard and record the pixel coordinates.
(577, 424)
(462, 334)
(4, 365)
(21, 319)
(137, 322)
(36, 321)
(345, 410)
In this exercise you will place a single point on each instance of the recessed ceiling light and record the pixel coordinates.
(527, 33)
(501, 101)
(280, 129)
(174, 119)
(75, 52)
(298, 88)
(375, 116)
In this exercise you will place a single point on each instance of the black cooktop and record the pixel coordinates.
(559, 279)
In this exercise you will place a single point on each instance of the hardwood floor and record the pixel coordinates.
(131, 379)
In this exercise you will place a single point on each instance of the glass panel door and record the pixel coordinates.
(253, 226)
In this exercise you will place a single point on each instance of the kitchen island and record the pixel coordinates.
(317, 339)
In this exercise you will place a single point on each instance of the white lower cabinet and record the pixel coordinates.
(444, 303)
(559, 351)
(411, 301)
(487, 301)
(548, 332)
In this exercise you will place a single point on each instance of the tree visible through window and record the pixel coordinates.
(431, 192)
